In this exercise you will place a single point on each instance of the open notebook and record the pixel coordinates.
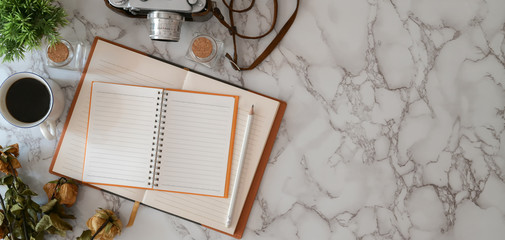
(160, 139)
(110, 62)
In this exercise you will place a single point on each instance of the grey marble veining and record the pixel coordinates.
(394, 127)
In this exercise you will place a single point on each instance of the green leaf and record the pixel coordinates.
(8, 195)
(43, 224)
(40, 236)
(32, 213)
(71, 181)
(58, 223)
(52, 230)
(18, 184)
(18, 179)
(28, 192)
(49, 206)
(86, 235)
(7, 180)
(20, 200)
(35, 206)
(18, 232)
(9, 217)
(16, 209)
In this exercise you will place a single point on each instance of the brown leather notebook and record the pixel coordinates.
(112, 62)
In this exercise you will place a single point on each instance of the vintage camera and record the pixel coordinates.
(166, 16)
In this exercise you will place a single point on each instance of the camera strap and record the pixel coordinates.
(233, 31)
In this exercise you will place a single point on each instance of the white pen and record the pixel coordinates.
(239, 167)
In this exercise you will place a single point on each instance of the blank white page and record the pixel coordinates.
(122, 135)
(195, 143)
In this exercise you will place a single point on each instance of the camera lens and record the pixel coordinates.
(165, 26)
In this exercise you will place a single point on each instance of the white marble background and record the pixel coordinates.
(394, 127)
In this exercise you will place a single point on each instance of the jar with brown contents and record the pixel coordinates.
(204, 49)
(59, 54)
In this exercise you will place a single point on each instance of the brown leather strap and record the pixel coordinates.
(233, 31)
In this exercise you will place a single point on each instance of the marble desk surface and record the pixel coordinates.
(394, 127)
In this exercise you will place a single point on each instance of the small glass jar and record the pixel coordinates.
(205, 50)
(65, 54)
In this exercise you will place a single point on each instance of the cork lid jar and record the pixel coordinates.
(60, 54)
(204, 49)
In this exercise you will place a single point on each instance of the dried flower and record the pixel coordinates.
(8, 157)
(105, 217)
(66, 191)
(13, 149)
(22, 217)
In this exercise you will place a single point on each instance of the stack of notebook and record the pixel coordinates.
(165, 136)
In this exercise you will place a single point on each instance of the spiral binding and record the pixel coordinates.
(154, 150)
(157, 163)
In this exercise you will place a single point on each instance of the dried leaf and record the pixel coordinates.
(48, 206)
(20, 200)
(32, 213)
(16, 209)
(3, 225)
(86, 235)
(28, 192)
(7, 180)
(58, 223)
(43, 224)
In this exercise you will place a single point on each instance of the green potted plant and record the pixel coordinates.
(24, 24)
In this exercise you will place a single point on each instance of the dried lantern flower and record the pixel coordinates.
(8, 157)
(65, 191)
(106, 223)
(13, 149)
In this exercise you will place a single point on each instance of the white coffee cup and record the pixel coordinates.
(28, 100)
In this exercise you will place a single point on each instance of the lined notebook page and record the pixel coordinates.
(195, 141)
(122, 135)
(212, 212)
(109, 63)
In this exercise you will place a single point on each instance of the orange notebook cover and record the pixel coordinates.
(75, 114)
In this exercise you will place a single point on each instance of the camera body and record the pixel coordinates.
(166, 16)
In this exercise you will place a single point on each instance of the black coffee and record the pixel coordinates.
(28, 100)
